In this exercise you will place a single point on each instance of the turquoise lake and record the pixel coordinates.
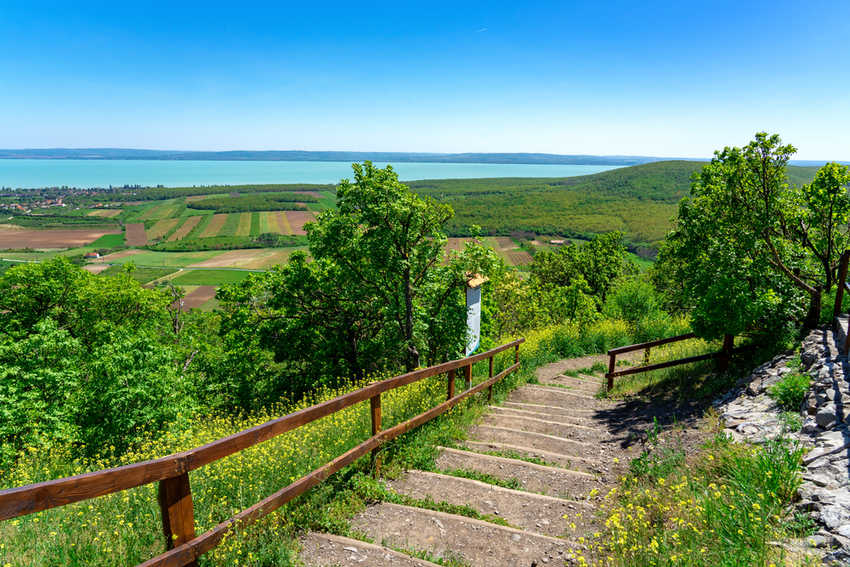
(19, 173)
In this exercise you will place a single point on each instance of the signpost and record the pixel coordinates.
(473, 312)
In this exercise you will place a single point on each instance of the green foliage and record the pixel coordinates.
(729, 257)
(726, 506)
(84, 359)
(245, 203)
(790, 391)
(142, 275)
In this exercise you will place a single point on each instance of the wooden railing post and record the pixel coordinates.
(467, 374)
(646, 355)
(516, 354)
(375, 404)
(842, 279)
(178, 514)
(451, 392)
(490, 389)
(612, 363)
(726, 354)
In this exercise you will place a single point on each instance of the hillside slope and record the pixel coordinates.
(640, 201)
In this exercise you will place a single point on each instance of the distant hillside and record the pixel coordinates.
(640, 201)
(295, 155)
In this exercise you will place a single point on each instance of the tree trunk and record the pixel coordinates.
(813, 316)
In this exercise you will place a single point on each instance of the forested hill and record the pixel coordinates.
(639, 201)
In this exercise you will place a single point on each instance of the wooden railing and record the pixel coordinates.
(724, 356)
(172, 472)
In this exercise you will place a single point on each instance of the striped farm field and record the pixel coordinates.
(244, 227)
(105, 213)
(297, 220)
(185, 228)
(214, 226)
(135, 234)
(231, 225)
(161, 228)
(161, 211)
(268, 222)
(283, 223)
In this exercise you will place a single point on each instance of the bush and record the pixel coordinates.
(633, 301)
(790, 391)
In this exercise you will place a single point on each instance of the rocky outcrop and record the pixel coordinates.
(750, 414)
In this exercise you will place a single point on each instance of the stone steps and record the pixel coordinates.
(582, 433)
(557, 397)
(571, 420)
(581, 412)
(525, 510)
(537, 441)
(450, 537)
(552, 481)
(327, 550)
(570, 462)
(579, 384)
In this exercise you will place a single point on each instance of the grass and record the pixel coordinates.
(108, 241)
(124, 528)
(722, 506)
(211, 277)
(153, 258)
(790, 391)
(142, 275)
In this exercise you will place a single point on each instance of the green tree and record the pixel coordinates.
(733, 252)
(377, 292)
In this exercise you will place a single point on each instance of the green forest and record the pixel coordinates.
(100, 371)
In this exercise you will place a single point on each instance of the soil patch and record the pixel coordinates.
(136, 235)
(198, 297)
(18, 239)
(214, 226)
(297, 220)
(185, 228)
(95, 268)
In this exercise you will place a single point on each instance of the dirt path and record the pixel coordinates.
(559, 446)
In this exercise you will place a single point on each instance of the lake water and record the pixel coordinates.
(102, 173)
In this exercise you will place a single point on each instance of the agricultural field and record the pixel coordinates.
(15, 237)
(211, 277)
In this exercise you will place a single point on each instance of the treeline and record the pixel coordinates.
(61, 221)
(247, 203)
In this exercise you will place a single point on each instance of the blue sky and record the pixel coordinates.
(640, 78)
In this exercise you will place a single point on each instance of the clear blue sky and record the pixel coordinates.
(671, 78)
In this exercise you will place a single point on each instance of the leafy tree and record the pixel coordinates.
(378, 292)
(598, 262)
(735, 250)
(822, 219)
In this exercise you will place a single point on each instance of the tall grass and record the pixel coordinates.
(124, 528)
(721, 507)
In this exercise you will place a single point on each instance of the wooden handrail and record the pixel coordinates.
(659, 342)
(724, 356)
(172, 471)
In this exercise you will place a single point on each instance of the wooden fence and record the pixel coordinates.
(172, 472)
(724, 356)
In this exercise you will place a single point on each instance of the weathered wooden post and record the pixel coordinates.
(842, 278)
(490, 389)
(467, 374)
(646, 356)
(178, 513)
(375, 404)
(726, 354)
(451, 392)
(612, 363)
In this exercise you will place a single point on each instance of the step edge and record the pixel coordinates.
(517, 461)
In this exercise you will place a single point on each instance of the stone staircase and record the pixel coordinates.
(555, 440)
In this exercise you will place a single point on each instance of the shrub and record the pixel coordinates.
(790, 391)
